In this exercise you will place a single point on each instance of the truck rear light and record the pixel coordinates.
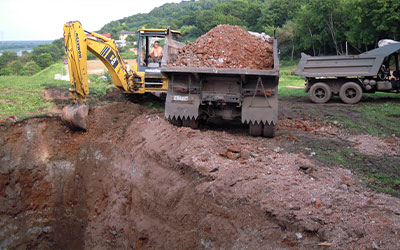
(262, 93)
(180, 89)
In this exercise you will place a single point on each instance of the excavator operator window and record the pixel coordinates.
(150, 49)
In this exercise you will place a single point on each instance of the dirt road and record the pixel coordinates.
(135, 181)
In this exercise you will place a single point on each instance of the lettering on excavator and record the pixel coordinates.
(112, 59)
(78, 45)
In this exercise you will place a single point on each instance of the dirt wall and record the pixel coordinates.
(135, 181)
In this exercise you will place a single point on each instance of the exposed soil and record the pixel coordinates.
(57, 94)
(227, 46)
(98, 68)
(136, 181)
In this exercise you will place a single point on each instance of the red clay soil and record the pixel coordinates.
(227, 46)
(134, 181)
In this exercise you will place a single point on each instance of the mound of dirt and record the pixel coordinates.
(134, 181)
(227, 46)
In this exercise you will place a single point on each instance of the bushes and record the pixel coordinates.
(40, 58)
(30, 68)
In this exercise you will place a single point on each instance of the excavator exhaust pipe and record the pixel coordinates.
(76, 116)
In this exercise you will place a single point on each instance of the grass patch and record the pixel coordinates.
(23, 96)
(385, 183)
(288, 79)
(377, 119)
(381, 173)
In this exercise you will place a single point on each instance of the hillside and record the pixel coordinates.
(317, 27)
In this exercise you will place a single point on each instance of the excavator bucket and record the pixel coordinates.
(76, 116)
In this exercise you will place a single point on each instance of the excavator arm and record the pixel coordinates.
(146, 78)
(77, 43)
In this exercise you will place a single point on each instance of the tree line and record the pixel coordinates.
(317, 27)
(40, 58)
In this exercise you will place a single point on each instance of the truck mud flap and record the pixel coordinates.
(184, 107)
(260, 109)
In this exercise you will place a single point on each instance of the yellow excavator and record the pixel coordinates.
(143, 77)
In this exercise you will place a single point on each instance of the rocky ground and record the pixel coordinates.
(134, 181)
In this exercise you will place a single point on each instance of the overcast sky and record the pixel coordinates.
(44, 19)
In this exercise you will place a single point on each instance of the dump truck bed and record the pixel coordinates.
(366, 64)
(221, 71)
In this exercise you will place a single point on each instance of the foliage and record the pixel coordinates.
(319, 27)
(41, 57)
(7, 57)
(44, 60)
(30, 68)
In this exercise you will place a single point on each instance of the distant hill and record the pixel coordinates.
(183, 16)
(316, 27)
(21, 45)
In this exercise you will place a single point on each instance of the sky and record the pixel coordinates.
(44, 19)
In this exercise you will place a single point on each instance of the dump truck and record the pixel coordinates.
(196, 95)
(352, 75)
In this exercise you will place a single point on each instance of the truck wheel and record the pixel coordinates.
(350, 93)
(255, 129)
(269, 130)
(320, 92)
(175, 121)
(191, 123)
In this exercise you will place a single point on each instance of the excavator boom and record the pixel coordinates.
(77, 43)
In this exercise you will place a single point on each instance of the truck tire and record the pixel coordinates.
(269, 130)
(255, 129)
(320, 92)
(350, 93)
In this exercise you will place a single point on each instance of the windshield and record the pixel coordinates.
(151, 50)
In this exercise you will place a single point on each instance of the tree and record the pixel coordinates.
(16, 67)
(370, 21)
(7, 57)
(30, 68)
(277, 12)
(5, 71)
(321, 27)
(44, 60)
(132, 38)
(287, 38)
(56, 52)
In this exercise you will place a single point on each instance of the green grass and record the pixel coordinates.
(381, 173)
(128, 55)
(386, 183)
(288, 78)
(23, 96)
(374, 118)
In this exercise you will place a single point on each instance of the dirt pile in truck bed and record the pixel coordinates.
(227, 46)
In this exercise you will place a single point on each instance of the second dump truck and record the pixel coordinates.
(351, 76)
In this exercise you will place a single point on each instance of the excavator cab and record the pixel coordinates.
(154, 80)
